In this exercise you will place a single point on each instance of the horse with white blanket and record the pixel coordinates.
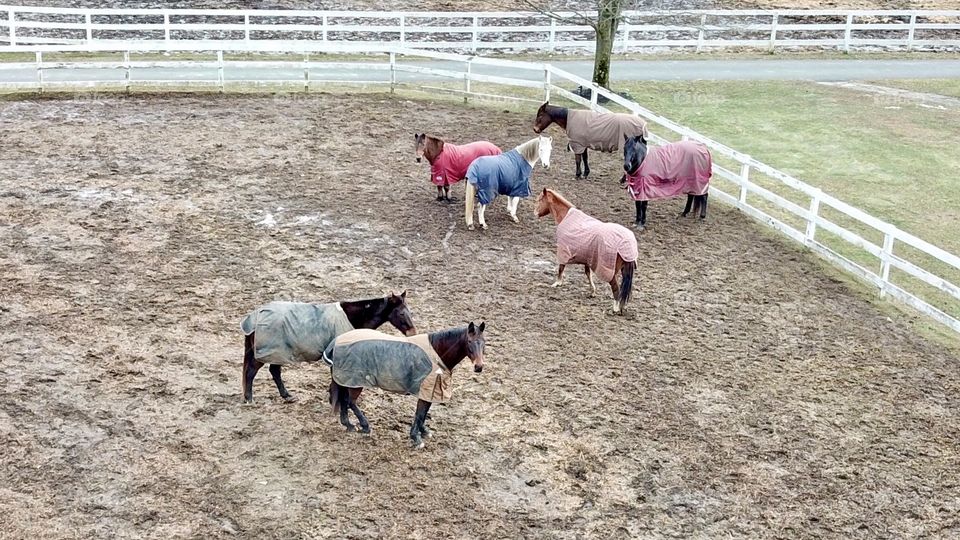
(507, 174)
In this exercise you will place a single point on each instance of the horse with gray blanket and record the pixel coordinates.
(507, 174)
(290, 333)
(420, 365)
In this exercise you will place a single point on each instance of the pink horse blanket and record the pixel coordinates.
(451, 165)
(601, 131)
(682, 168)
(582, 239)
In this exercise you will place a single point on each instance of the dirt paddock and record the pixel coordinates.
(744, 394)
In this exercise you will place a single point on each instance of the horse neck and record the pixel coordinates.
(559, 207)
(450, 345)
(365, 313)
(432, 148)
(558, 115)
(530, 150)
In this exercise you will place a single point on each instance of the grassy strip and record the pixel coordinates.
(943, 87)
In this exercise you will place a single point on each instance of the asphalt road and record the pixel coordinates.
(800, 69)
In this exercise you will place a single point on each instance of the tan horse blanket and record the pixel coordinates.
(582, 239)
(294, 332)
(601, 131)
(368, 358)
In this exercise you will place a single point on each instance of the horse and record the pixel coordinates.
(506, 174)
(605, 249)
(589, 130)
(669, 170)
(449, 162)
(290, 333)
(421, 365)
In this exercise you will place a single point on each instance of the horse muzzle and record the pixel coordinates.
(418, 159)
(536, 130)
(411, 332)
(477, 368)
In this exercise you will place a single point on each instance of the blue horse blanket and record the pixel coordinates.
(507, 174)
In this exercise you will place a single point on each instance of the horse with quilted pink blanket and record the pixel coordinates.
(449, 162)
(605, 249)
(681, 168)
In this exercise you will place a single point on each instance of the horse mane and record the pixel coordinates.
(529, 149)
(448, 337)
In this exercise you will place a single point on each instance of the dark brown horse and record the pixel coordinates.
(428, 146)
(363, 358)
(319, 325)
(449, 162)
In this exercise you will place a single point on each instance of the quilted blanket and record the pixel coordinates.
(582, 239)
(601, 131)
(507, 174)
(451, 165)
(294, 332)
(681, 168)
(368, 358)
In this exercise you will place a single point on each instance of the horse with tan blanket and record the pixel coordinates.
(605, 249)
(421, 365)
(603, 132)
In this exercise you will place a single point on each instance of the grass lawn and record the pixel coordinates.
(944, 87)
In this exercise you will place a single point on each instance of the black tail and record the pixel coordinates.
(626, 282)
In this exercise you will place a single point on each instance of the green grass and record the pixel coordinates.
(943, 87)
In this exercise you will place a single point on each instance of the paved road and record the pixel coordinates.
(814, 70)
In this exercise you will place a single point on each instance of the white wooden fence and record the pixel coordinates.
(23, 28)
(748, 195)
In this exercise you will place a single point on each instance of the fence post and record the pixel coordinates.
(846, 33)
(246, 28)
(812, 223)
(546, 85)
(626, 38)
(89, 21)
(553, 34)
(403, 31)
(324, 23)
(744, 177)
(885, 255)
(126, 72)
(306, 72)
(39, 72)
(913, 27)
(220, 70)
(466, 80)
(703, 22)
(11, 16)
(593, 96)
(393, 71)
(773, 32)
(166, 29)
(476, 35)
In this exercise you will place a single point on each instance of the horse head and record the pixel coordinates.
(634, 151)
(543, 118)
(398, 314)
(476, 345)
(544, 150)
(419, 143)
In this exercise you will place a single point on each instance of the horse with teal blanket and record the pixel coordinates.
(506, 174)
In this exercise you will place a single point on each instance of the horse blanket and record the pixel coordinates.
(582, 239)
(507, 174)
(601, 131)
(451, 165)
(672, 169)
(294, 332)
(367, 358)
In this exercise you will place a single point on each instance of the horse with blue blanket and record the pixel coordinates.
(507, 174)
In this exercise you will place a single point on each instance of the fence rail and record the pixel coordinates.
(748, 195)
(23, 28)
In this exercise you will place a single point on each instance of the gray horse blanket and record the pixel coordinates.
(368, 358)
(507, 174)
(582, 239)
(601, 131)
(294, 332)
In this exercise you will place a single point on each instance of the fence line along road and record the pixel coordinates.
(757, 189)
(24, 28)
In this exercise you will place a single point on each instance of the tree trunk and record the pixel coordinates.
(608, 20)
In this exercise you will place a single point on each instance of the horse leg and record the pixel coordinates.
(418, 419)
(643, 213)
(637, 223)
(586, 164)
(512, 204)
(446, 193)
(354, 395)
(703, 206)
(424, 431)
(686, 209)
(559, 280)
(250, 368)
(578, 158)
(469, 199)
(439, 193)
(481, 211)
(275, 371)
(593, 287)
(341, 401)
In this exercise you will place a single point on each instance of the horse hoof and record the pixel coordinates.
(426, 433)
(365, 431)
(639, 226)
(470, 227)
(350, 428)
(556, 284)
(515, 219)
(439, 198)
(484, 227)
(248, 401)
(290, 399)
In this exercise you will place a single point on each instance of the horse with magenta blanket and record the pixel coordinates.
(507, 174)
(589, 130)
(449, 162)
(605, 249)
(421, 365)
(680, 168)
(290, 333)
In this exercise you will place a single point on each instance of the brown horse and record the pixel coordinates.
(449, 162)
(605, 249)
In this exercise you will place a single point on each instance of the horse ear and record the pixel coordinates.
(626, 137)
(544, 191)
(403, 294)
(482, 326)
(471, 329)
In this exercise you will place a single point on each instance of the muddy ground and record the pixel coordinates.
(745, 393)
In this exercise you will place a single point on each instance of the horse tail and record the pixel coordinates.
(336, 395)
(626, 282)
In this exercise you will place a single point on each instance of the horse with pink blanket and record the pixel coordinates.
(449, 162)
(673, 169)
